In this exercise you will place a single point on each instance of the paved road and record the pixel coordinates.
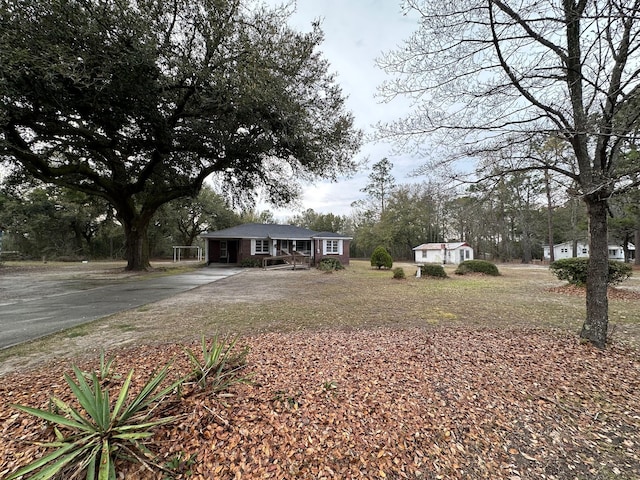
(27, 319)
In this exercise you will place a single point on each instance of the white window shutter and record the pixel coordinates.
(324, 247)
(340, 247)
(253, 247)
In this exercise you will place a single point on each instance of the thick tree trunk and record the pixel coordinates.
(137, 244)
(596, 324)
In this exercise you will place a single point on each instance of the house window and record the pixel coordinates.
(613, 252)
(332, 247)
(584, 250)
(223, 249)
(262, 247)
(467, 254)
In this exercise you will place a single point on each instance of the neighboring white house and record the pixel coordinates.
(453, 252)
(565, 250)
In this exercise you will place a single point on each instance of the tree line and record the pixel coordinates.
(507, 218)
(57, 223)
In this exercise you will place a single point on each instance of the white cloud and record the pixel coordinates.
(356, 33)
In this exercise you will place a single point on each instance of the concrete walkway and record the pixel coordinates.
(37, 316)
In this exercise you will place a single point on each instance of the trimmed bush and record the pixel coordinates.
(398, 273)
(618, 272)
(574, 271)
(477, 266)
(330, 265)
(250, 263)
(433, 270)
(381, 258)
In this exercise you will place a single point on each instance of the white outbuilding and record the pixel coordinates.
(443, 253)
(566, 250)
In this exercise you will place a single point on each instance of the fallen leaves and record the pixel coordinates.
(387, 403)
(612, 292)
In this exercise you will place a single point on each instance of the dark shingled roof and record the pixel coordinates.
(269, 230)
(329, 235)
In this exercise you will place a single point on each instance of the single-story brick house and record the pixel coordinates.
(260, 241)
(450, 253)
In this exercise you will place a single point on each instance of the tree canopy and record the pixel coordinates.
(138, 102)
(493, 79)
(320, 222)
(381, 183)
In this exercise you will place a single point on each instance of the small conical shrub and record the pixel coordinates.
(381, 258)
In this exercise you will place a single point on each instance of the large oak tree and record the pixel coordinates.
(489, 76)
(139, 101)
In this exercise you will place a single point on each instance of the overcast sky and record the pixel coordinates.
(356, 33)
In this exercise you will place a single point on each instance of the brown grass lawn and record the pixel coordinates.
(259, 301)
(358, 375)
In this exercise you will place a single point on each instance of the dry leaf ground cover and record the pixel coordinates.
(357, 375)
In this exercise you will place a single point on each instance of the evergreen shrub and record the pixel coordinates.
(433, 270)
(381, 258)
(477, 266)
(250, 263)
(330, 265)
(574, 271)
(398, 273)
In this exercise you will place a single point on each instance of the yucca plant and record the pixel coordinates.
(106, 366)
(105, 369)
(97, 433)
(220, 365)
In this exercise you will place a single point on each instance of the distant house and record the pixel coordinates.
(450, 253)
(565, 250)
(272, 243)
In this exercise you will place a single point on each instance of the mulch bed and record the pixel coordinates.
(387, 403)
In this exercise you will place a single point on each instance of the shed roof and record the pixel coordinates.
(440, 246)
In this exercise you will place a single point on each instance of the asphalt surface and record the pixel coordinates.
(30, 318)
